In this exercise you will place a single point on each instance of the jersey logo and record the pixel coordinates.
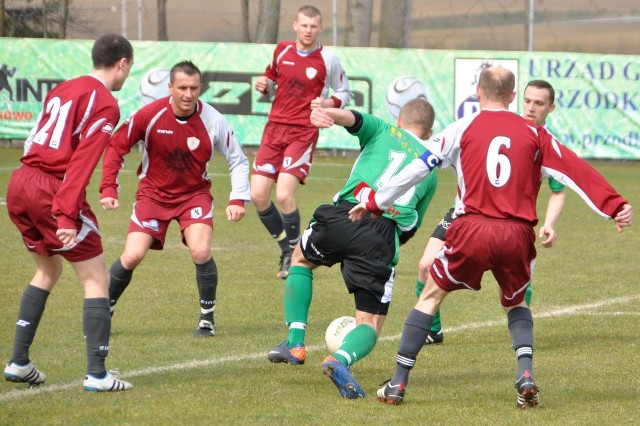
(196, 213)
(311, 72)
(193, 142)
(151, 224)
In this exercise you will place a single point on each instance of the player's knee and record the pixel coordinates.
(200, 256)
(131, 259)
(424, 266)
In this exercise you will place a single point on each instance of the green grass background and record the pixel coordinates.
(585, 304)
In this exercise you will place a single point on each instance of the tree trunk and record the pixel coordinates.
(395, 23)
(246, 35)
(1, 18)
(62, 21)
(162, 20)
(358, 33)
(268, 21)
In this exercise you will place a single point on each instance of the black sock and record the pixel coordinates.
(207, 280)
(291, 222)
(272, 220)
(414, 334)
(521, 330)
(119, 280)
(30, 312)
(96, 323)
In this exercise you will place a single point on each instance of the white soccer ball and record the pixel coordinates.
(402, 90)
(154, 85)
(337, 330)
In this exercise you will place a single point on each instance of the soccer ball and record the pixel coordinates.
(337, 330)
(402, 90)
(154, 85)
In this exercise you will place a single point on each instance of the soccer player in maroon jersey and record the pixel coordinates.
(46, 201)
(179, 134)
(302, 73)
(499, 159)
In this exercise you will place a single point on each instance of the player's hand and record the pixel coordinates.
(319, 118)
(262, 84)
(109, 203)
(67, 236)
(235, 213)
(551, 235)
(624, 217)
(358, 212)
(317, 103)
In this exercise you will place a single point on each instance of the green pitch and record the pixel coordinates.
(585, 304)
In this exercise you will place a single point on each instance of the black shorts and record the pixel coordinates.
(365, 249)
(440, 230)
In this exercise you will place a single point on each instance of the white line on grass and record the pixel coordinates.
(567, 311)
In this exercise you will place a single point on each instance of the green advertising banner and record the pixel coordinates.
(597, 96)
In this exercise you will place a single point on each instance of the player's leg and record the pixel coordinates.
(298, 291)
(147, 229)
(96, 324)
(270, 217)
(434, 245)
(198, 239)
(32, 305)
(357, 344)
(513, 273)
(121, 272)
(416, 328)
(286, 198)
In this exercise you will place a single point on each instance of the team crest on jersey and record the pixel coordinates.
(311, 72)
(193, 142)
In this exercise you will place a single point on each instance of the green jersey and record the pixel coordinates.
(385, 150)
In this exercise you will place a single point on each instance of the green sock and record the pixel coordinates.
(436, 326)
(528, 294)
(298, 290)
(419, 287)
(356, 345)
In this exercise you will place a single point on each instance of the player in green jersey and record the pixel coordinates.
(367, 250)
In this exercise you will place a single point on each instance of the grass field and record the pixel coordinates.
(585, 303)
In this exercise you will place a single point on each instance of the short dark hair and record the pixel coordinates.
(109, 49)
(543, 84)
(187, 67)
(309, 11)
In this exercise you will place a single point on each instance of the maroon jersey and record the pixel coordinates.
(500, 159)
(175, 153)
(301, 78)
(70, 135)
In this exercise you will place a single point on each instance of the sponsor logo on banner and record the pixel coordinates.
(467, 73)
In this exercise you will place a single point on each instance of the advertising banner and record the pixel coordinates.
(597, 96)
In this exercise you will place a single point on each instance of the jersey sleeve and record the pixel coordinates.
(94, 138)
(567, 168)
(226, 142)
(337, 80)
(127, 135)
